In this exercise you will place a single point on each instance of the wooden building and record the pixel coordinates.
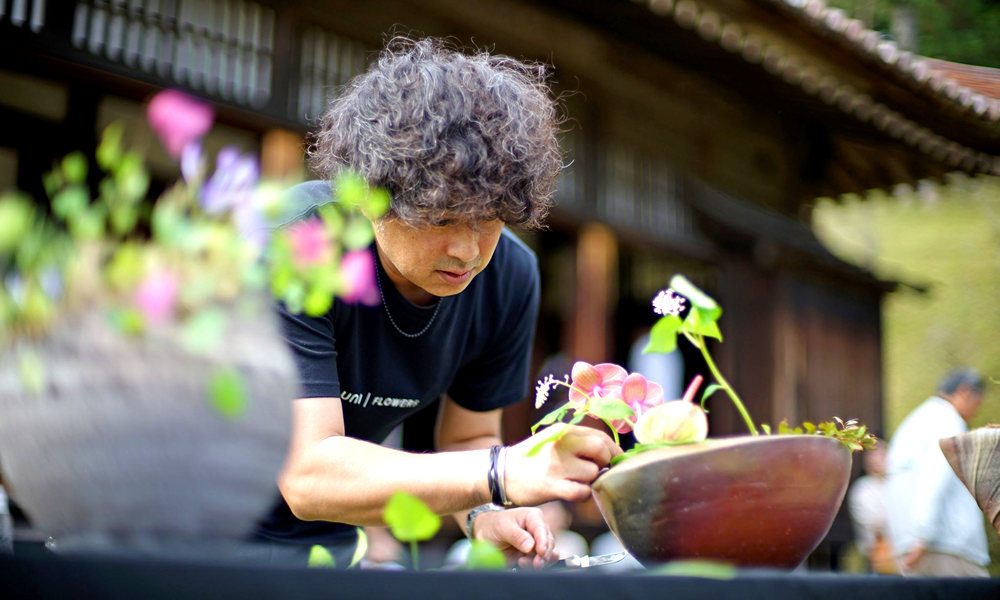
(700, 131)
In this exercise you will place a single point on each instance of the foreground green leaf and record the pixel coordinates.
(320, 557)
(697, 568)
(409, 519)
(227, 393)
(484, 556)
(663, 336)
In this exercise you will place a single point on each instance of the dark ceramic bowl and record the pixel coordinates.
(762, 501)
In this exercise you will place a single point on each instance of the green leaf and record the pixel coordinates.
(128, 321)
(123, 219)
(131, 178)
(552, 434)
(203, 331)
(227, 393)
(109, 150)
(766, 428)
(351, 188)
(31, 371)
(701, 322)
(640, 448)
(609, 409)
(809, 427)
(89, 224)
(697, 568)
(698, 298)
(663, 336)
(16, 215)
(484, 556)
(708, 392)
(552, 417)
(358, 234)
(74, 167)
(317, 302)
(377, 203)
(409, 519)
(320, 558)
(71, 202)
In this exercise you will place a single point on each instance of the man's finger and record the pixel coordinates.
(536, 526)
(573, 491)
(515, 535)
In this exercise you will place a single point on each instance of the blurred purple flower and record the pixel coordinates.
(157, 295)
(233, 184)
(310, 243)
(52, 283)
(192, 166)
(178, 119)
(358, 270)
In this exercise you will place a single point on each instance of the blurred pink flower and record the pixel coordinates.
(178, 119)
(604, 380)
(640, 395)
(157, 295)
(310, 243)
(358, 270)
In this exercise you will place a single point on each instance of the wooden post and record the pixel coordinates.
(596, 287)
(282, 155)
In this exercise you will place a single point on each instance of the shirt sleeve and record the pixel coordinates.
(500, 376)
(313, 344)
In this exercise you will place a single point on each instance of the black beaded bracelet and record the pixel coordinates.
(494, 475)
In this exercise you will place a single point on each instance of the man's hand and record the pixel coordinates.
(562, 470)
(520, 533)
(913, 556)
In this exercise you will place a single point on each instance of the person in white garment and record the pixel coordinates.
(866, 501)
(935, 527)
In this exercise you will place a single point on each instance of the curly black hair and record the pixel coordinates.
(451, 136)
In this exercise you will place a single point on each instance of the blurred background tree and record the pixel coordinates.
(965, 31)
(947, 237)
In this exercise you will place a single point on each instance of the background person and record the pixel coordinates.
(935, 525)
(867, 503)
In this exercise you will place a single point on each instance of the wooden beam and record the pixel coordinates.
(596, 279)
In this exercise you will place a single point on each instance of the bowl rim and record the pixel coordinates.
(710, 445)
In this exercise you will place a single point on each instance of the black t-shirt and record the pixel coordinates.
(477, 350)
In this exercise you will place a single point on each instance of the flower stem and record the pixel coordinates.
(413, 555)
(614, 431)
(699, 342)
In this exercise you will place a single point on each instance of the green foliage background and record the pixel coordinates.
(948, 239)
(966, 31)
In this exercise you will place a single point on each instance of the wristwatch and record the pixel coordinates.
(475, 512)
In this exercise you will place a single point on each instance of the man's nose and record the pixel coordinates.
(464, 247)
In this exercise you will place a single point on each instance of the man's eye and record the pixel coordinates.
(443, 222)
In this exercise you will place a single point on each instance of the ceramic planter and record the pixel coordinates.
(763, 501)
(123, 446)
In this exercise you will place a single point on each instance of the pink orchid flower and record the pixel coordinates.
(157, 295)
(604, 380)
(640, 395)
(358, 270)
(310, 243)
(178, 119)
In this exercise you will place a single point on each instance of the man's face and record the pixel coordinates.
(437, 260)
(967, 402)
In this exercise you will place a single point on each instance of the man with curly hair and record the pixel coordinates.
(465, 144)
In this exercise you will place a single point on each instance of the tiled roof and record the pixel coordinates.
(971, 93)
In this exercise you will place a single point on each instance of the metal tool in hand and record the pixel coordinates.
(583, 562)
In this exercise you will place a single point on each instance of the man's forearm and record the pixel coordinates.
(480, 443)
(347, 480)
